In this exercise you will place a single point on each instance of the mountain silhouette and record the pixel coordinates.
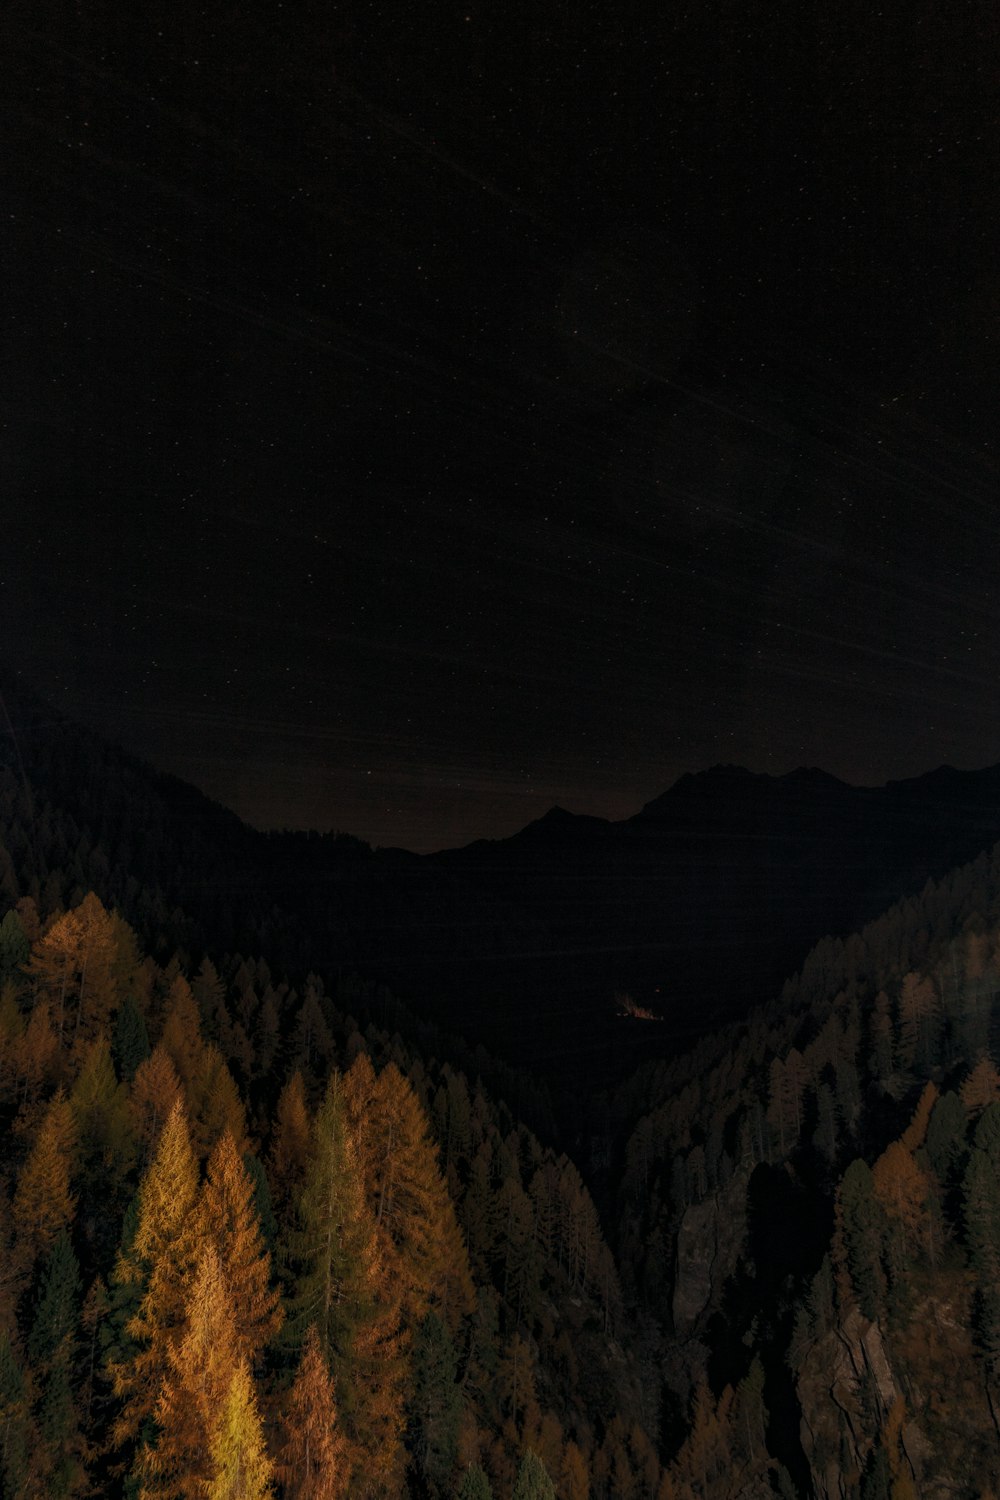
(698, 907)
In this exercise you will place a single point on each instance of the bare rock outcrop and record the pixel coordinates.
(709, 1241)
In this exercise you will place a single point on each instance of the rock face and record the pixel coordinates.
(709, 1241)
(852, 1397)
(845, 1388)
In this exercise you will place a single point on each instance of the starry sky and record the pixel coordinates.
(415, 416)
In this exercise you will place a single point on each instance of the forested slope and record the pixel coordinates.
(226, 1214)
(811, 1206)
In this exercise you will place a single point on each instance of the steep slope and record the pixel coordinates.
(809, 1206)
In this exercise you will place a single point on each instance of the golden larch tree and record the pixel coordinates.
(289, 1152)
(421, 1243)
(201, 1365)
(344, 1287)
(229, 1219)
(43, 1203)
(213, 1100)
(77, 966)
(981, 1087)
(902, 1188)
(155, 1090)
(313, 1461)
(241, 1467)
(161, 1260)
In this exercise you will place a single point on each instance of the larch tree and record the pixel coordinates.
(289, 1152)
(981, 1088)
(241, 1468)
(313, 1462)
(919, 1014)
(76, 966)
(155, 1090)
(218, 1106)
(43, 1203)
(414, 1216)
(574, 1476)
(35, 1057)
(343, 1288)
(229, 1219)
(181, 1037)
(201, 1365)
(903, 1189)
(160, 1262)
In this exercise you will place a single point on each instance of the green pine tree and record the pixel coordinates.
(435, 1404)
(130, 1042)
(981, 1204)
(15, 1424)
(52, 1349)
(14, 946)
(474, 1485)
(533, 1482)
(864, 1232)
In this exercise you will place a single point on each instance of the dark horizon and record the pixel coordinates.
(717, 770)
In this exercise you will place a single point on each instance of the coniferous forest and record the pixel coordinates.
(260, 1239)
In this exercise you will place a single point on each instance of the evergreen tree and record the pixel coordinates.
(15, 1424)
(533, 1482)
(14, 946)
(263, 1205)
(863, 1229)
(981, 1195)
(474, 1485)
(106, 1150)
(435, 1405)
(343, 1287)
(52, 1349)
(946, 1136)
(130, 1043)
(57, 1313)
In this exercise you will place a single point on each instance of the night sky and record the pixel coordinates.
(415, 415)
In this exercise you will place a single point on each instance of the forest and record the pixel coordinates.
(268, 1231)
